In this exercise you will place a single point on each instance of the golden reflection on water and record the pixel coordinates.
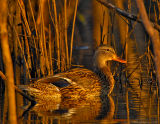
(120, 107)
(73, 111)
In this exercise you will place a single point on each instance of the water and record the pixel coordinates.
(123, 106)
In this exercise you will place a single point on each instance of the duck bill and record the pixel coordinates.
(119, 60)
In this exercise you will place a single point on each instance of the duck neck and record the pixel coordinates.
(105, 75)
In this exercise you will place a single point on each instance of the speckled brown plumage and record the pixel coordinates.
(83, 82)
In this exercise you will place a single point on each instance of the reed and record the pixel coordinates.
(22, 51)
(57, 34)
(74, 19)
(43, 53)
(22, 7)
(50, 51)
(44, 40)
(32, 13)
(27, 49)
(8, 65)
(65, 32)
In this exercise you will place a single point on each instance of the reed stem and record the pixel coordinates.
(57, 34)
(65, 32)
(22, 7)
(74, 19)
(8, 65)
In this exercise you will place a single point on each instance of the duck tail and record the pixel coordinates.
(23, 87)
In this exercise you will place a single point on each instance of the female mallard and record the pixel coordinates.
(78, 82)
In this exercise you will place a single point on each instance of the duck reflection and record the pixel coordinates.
(75, 110)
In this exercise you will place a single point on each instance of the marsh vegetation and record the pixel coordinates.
(44, 37)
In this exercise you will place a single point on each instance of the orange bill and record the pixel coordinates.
(119, 60)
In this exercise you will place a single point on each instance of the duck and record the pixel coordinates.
(78, 82)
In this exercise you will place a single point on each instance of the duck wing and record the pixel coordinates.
(78, 76)
(74, 83)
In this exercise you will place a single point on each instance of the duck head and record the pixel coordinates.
(105, 53)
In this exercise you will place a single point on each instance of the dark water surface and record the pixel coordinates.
(123, 106)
